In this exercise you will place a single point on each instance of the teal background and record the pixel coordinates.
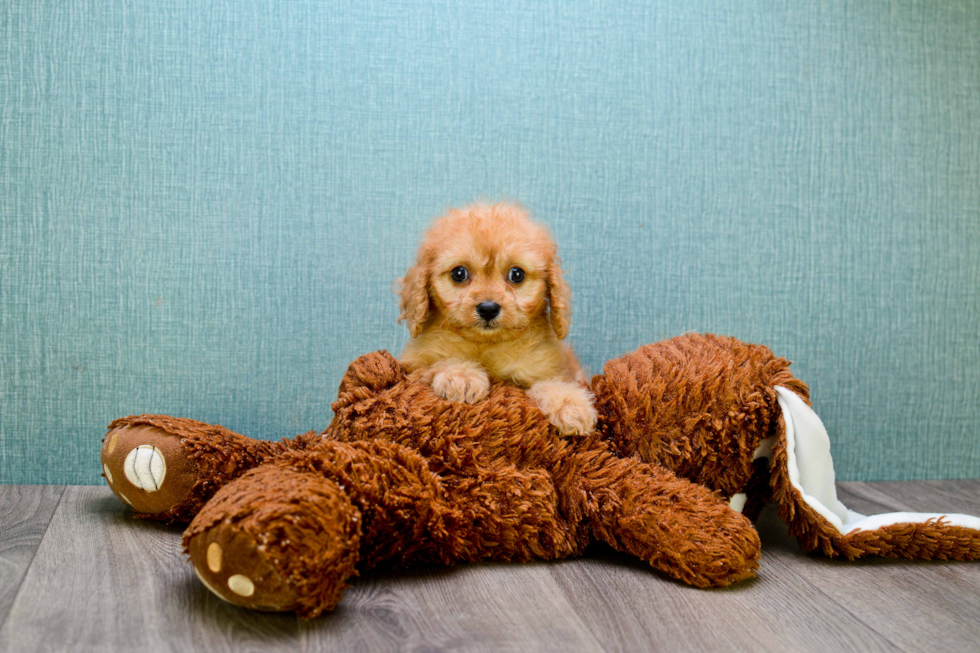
(203, 205)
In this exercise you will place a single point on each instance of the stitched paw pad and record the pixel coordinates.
(147, 468)
(231, 565)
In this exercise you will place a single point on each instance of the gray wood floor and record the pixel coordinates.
(77, 572)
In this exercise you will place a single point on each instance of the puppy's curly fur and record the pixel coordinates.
(486, 299)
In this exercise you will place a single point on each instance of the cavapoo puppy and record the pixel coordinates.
(486, 300)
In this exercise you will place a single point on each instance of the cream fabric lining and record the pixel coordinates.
(811, 471)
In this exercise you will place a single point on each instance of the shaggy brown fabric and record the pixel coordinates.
(403, 510)
(214, 456)
(443, 482)
(678, 527)
(402, 477)
(302, 539)
(932, 540)
(698, 404)
(524, 491)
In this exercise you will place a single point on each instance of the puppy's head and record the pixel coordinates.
(486, 271)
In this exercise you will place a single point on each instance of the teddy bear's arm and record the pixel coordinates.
(680, 528)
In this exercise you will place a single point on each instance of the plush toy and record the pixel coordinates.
(694, 435)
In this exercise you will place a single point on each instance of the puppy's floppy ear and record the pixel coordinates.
(559, 299)
(414, 293)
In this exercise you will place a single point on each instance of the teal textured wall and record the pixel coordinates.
(204, 204)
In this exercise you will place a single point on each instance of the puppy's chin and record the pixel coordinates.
(481, 331)
(489, 332)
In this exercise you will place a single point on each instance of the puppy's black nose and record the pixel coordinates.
(488, 310)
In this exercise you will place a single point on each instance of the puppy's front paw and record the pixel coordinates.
(569, 406)
(461, 381)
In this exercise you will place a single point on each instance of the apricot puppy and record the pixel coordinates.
(486, 299)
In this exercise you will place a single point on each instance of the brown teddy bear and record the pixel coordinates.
(679, 462)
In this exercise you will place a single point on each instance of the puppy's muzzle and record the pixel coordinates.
(488, 310)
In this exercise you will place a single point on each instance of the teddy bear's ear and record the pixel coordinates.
(804, 489)
(367, 376)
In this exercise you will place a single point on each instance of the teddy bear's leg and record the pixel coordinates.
(286, 536)
(166, 467)
(277, 540)
(803, 487)
(681, 528)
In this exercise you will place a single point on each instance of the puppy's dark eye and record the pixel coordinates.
(516, 275)
(459, 274)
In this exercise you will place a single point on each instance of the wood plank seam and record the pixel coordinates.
(27, 568)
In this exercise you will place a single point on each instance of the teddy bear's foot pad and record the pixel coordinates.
(230, 563)
(147, 468)
(277, 539)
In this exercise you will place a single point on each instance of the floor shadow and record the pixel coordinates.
(225, 620)
(598, 553)
(774, 533)
(103, 503)
(359, 609)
